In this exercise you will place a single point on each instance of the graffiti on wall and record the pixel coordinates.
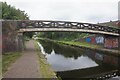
(115, 43)
(111, 43)
(88, 39)
(99, 40)
(95, 40)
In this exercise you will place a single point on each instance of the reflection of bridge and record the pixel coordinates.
(98, 72)
(34, 25)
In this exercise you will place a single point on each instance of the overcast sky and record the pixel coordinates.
(91, 11)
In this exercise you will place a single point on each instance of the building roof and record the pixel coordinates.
(115, 24)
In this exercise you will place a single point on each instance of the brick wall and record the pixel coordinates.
(9, 36)
(111, 42)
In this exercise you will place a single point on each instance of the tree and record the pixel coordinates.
(0, 10)
(11, 13)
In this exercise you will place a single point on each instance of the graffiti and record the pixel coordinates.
(93, 40)
(99, 40)
(107, 42)
(115, 42)
(88, 39)
(111, 43)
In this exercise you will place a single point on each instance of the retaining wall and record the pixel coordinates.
(10, 37)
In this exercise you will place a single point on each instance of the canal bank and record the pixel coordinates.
(87, 46)
(77, 44)
(45, 68)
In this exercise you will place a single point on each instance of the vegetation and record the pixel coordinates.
(29, 34)
(85, 45)
(11, 13)
(66, 36)
(45, 68)
(0, 10)
(90, 46)
(8, 59)
(8, 12)
(82, 44)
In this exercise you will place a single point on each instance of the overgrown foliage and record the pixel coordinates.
(11, 13)
(0, 10)
(67, 36)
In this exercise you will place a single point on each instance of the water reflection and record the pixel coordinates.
(104, 58)
(68, 60)
(63, 50)
(64, 58)
(60, 63)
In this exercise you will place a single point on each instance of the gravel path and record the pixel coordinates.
(27, 66)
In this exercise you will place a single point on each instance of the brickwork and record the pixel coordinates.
(111, 42)
(9, 36)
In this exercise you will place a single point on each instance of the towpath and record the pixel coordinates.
(27, 66)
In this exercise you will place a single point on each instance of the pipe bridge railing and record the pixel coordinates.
(64, 24)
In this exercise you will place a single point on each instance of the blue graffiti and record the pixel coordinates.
(88, 39)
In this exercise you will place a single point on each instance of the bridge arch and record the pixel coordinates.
(48, 26)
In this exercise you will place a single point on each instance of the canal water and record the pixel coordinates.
(72, 62)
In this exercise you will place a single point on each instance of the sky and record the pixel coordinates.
(90, 11)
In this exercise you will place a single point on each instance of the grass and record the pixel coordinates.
(91, 46)
(86, 45)
(82, 44)
(8, 59)
(45, 68)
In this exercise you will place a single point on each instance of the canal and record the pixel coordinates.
(73, 62)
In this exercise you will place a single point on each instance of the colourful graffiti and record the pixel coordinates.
(93, 40)
(88, 39)
(111, 43)
(108, 42)
(99, 40)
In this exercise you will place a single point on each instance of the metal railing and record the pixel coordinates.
(64, 24)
